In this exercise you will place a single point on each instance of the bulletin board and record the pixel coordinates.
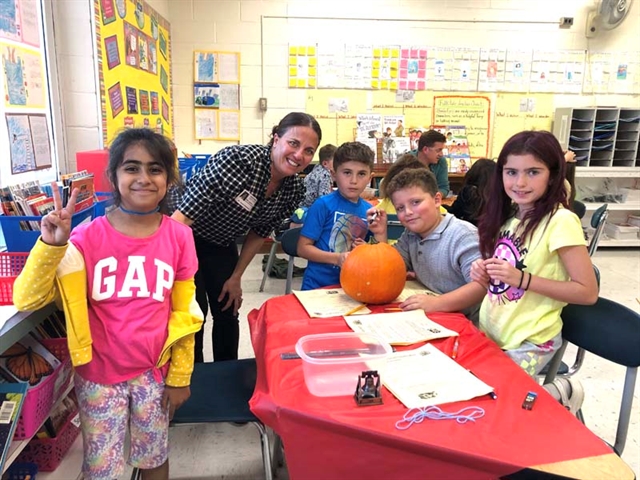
(216, 95)
(490, 118)
(134, 66)
(26, 129)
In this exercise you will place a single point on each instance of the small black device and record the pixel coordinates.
(529, 400)
(368, 389)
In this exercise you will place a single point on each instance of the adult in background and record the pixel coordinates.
(242, 188)
(429, 152)
(319, 181)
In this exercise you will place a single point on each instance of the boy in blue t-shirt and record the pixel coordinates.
(336, 221)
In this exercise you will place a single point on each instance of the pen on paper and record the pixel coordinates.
(492, 394)
(454, 352)
(393, 309)
(354, 310)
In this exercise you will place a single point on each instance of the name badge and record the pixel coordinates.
(246, 200)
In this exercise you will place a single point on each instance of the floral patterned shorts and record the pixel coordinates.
(107, 410)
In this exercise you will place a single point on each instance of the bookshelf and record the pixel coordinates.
(16, 325)
(606, 141)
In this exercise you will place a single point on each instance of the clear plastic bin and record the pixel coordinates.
(332, 361)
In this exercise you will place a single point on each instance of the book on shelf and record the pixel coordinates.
(12, 396)
(83, 181)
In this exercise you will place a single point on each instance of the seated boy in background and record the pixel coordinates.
(334, 222)
(319, 181)
(439, 249)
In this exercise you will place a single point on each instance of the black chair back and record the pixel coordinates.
(579, 208)
(289, 241)
(607, 329)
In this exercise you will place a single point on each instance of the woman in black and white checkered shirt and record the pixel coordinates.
(242, 188)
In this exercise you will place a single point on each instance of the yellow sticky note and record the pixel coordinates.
(293, 71)
(293, 50)
(312, 81)
(394, 84)
(313, 61)
(385, 52)
(311, 50)
(312, 71)
(384, 84)
(292, 82)
(376, 52)
(395, 53)
(375, 73)
(394, 64)
(302, 82)
(375, 63)
(375, 84)
(394, 73)
(293, 61)
(302, 50)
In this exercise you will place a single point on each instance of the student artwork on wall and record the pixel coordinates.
(358, 60)
(19, 21)
(29, 144)
(23, 77)
(440, 68)
(412, 73)
(303, 66)
(466, 69)
(517, 70)
(131, 71)
(625, 77)
(464, 74)
(330, 66)
(216, 95)
(384, 68)
(492, 69)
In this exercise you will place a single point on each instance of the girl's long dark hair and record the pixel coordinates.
(479, 176)
(545, 148)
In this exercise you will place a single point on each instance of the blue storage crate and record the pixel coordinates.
(19, 240)
(104, 201)
(189, 166)
(21, 471)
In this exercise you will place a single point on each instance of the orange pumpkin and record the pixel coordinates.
(373, 273)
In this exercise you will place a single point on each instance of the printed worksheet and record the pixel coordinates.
(413, 287)
(332, 302)
(426, 376)
(399, 328)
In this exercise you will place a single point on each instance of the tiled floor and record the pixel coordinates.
(233, 453)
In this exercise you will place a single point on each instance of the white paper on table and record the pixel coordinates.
(426, 376)
(325, 303)
(413, 287)
(400, 328)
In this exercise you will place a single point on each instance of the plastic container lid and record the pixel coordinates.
(332, 362)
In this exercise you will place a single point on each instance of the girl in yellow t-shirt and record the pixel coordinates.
(535, 260)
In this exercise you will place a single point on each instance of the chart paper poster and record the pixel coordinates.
(134, 65)
(474, 112)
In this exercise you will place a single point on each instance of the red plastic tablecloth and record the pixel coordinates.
(332, 438)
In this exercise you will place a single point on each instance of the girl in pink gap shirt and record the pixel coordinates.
(125, 281)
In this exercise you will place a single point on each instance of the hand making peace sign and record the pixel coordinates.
(56, 226)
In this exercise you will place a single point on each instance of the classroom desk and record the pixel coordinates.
(332, 438)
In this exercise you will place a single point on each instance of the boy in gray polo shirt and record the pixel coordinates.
(439, 249)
